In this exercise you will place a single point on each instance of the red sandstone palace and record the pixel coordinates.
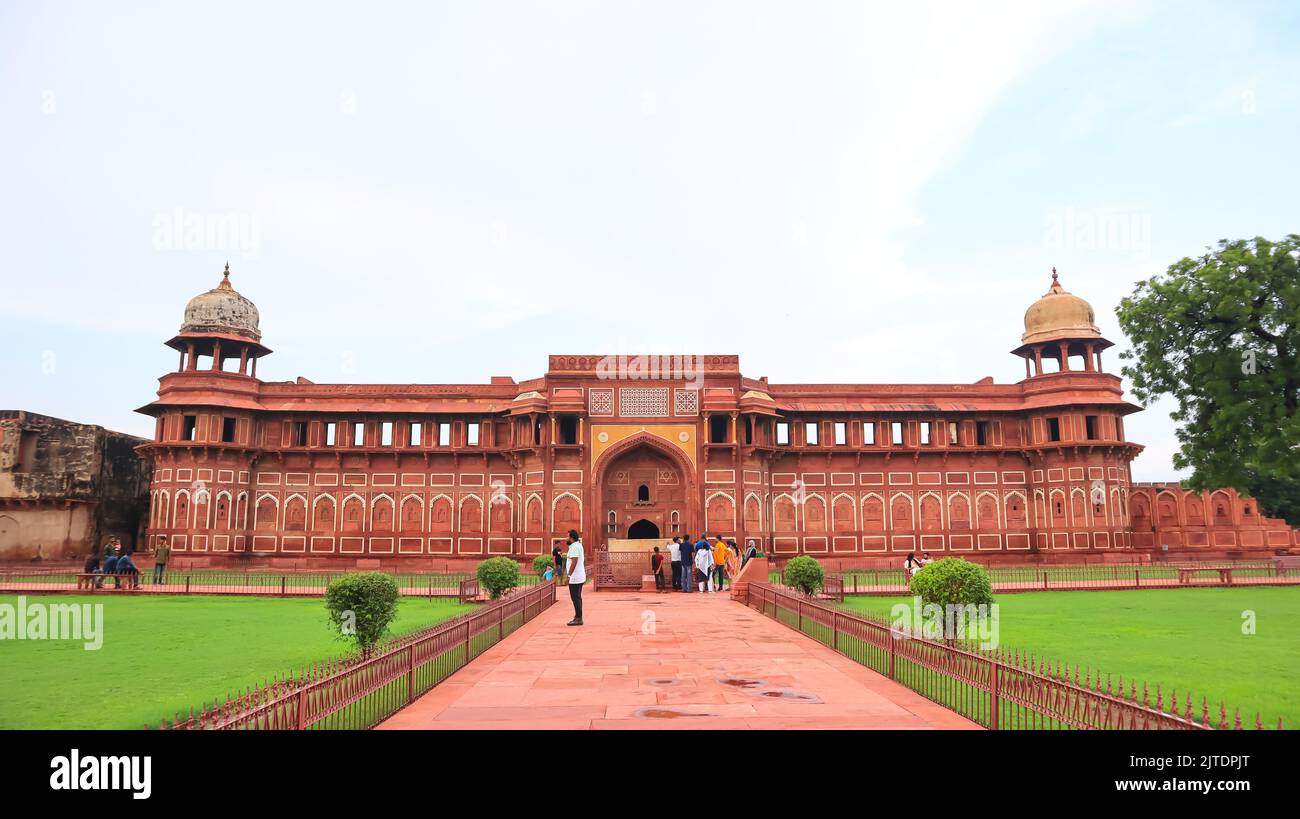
(420, 475)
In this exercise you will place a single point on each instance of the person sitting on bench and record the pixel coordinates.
(110, 568)
(126, 568)
(91, 566)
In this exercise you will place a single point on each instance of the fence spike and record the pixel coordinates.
(1223, 717)
(1205, 712)
(1259, 725)
(1236, 722)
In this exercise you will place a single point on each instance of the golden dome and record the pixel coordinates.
(1059, 315)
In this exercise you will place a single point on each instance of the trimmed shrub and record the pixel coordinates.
(361, 605)
(805, 574)
(541, 563)
(497, 575)
(953, 582)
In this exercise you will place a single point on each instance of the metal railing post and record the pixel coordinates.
(995, 698)
(302, 709)
(410, 674)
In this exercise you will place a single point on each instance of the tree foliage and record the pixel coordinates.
(805, 574)
(1218, 333)
(361, 605)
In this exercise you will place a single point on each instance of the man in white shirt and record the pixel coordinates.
(577, 575)
(675, 557)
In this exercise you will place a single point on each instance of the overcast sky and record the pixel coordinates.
(441, 192)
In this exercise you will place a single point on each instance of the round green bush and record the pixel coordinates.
(541, 563)
(361, 605)
(497, 575)
(953, 581)
(805, 574)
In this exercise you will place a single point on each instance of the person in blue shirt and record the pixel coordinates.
(688, 564)
(110, 568)
(126, 567)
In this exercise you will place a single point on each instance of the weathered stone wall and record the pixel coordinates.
(66, 487)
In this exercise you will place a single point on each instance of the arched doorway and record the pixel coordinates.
(643, 494)
(645, 491)
(643, 529)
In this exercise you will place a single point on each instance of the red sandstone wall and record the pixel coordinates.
(1017, 495)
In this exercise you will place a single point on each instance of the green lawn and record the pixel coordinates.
(167, 653)
(1188, 639)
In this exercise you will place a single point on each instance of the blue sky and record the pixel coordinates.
(856, 192)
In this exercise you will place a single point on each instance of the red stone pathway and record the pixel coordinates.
(691, 670)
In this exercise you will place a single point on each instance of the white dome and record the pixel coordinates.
(222, 310)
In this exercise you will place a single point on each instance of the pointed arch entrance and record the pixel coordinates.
(646, 492)
(648, 484)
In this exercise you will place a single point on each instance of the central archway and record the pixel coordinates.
(643, 530)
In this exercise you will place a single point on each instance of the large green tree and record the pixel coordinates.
(1219, 333)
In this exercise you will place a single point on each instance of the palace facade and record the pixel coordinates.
(642, 448)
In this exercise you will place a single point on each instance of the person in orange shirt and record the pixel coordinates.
(719, 559)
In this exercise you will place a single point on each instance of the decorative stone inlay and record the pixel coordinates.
(600, 402)
(643, 402)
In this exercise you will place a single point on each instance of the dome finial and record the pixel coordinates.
(1056, 284)
(225, 278)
